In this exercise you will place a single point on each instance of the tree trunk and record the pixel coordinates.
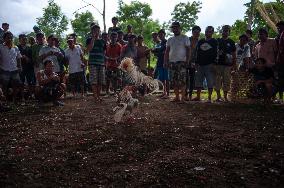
(104, 15)
(251, 14)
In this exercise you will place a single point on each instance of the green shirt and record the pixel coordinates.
(97, 53)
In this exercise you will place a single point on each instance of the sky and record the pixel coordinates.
(22, 14)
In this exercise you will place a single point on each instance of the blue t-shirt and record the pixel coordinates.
(161, 53)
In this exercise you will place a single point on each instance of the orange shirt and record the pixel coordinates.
(267, 50)
(113, 51)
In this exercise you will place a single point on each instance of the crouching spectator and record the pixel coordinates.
(263, 76)
(50, 88)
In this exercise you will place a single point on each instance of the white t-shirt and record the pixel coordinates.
(74, 58)
(8, 58)
(242, 53)
(53, 58)
(178, 47)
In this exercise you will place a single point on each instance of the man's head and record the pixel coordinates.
(176, 28)
(249, 33)
(70, 42)
(155, 37)
(260, 63)
(262, 34)
(120, 35)
(132, 39)
(51, 40)
(95, 30)
(5, 26)
(105, 36)
(8, 38)
(74, 36)
(48, 66)
(23, 39)
(243, 39)
(196, 31)
(209, 31)
(140, 40)
(40, 38)
(114, 21)
(32, 40)
(280, 27)
(161, 34)
(129, 29)
(226, 29)
(113, 37)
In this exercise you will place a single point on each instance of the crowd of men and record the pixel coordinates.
(38, 68)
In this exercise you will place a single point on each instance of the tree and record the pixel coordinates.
(53, 20)
(186, 14)
(81, 24)
(138, 15)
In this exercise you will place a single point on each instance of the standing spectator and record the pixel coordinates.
(75, 60)
(251, 42)
(60, 59)
(177, 58)
(96, 47)
(206, 58)
(50, 52)
(27, 74)
(10, 65)
(191, 68)
(143, 55)
(163, 73)
(157, 45)
(129, 32)
(37, 61)
(280, 58)
(105, 37)
(120, 38)
(114, 27)
(266, 48)
(5, 28)
(113, 52)
(50, 88)
(226, 61)
(130, 49)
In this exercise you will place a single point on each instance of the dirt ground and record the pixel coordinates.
(166, 145)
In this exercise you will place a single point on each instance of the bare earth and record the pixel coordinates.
(166, 145)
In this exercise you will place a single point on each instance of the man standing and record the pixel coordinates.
(96, 48)
(27, 73)
(226, 61)
(5, 28)
(206, 58)
(266, 48)
(114, 27)
(37, 62)
(177, 59)
(191, 68)
(10, 65)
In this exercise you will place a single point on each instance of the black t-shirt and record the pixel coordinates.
(264, 74)
(206, 51)
(226, 47)
(27, 51)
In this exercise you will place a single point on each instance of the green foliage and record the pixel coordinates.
(53, 20)
(81, 25)
(186, 14)
(138, 15)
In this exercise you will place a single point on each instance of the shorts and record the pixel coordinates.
(77, 78)
(205, 72)
(178, 73)
(12, 77)
(97, 74)
(163, 74)
(223, 77)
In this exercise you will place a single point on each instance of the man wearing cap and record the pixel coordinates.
(37, 62)
(177, 59)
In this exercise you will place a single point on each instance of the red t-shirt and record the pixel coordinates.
(113, 51)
